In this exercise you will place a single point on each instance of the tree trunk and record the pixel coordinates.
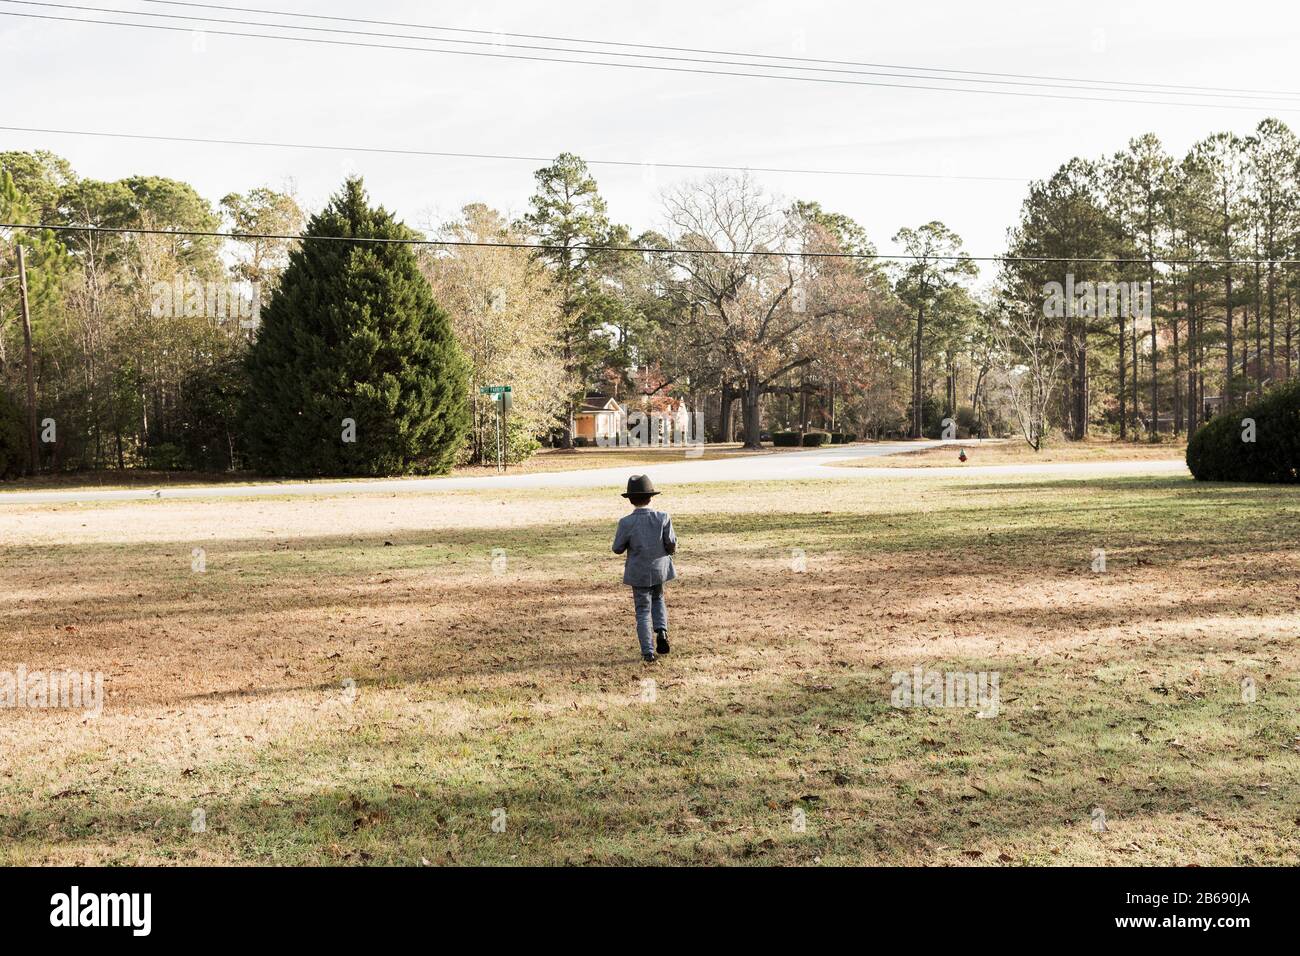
(726, 429)
(803, 403)
(918, 423)
(566, 430)
(1079, 396)
(1155, 356)
(1192, 399)
(1288, 334)
(977, 401)
(1228, 341)
(1133, 355)
(752, 408)
(1259, 333)
(1272, 323)
(1123, 384)
(1177, 385)
(950, 396)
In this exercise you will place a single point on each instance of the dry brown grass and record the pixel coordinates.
(1017, 452)
(546, 460)
(521, 691)
(581, 459)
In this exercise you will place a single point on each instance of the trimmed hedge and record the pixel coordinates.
(810, 439)
(1218, 452)
(843, 438)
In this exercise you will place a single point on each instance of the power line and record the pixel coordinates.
(656, 250)
(643, 66)
(677, 49)
(499, 156)
(497, 44)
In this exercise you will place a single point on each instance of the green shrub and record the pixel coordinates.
(207, 433)
(932, 416)
(521, 444)
(968, 421)
(13, 438)
(816, 439)
(166, 456)
(1219, 450)
(785, 439)
(843, 438)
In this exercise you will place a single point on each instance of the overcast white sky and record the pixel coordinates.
(80, 76)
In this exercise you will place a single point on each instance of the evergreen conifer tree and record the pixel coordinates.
(355, 369)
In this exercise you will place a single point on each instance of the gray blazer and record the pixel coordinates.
(650, 542)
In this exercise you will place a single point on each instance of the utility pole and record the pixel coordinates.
(34, 460)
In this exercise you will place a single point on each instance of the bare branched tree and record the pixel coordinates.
(1030, 351)
(755, 301)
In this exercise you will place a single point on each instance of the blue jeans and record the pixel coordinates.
(650, 610)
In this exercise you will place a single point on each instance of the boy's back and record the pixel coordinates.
(649, 540)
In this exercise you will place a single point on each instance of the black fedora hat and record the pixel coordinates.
(640, 486)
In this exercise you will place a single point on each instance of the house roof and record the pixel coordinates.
(598, 403)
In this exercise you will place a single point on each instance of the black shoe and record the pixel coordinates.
(648, 658)
(661, 642)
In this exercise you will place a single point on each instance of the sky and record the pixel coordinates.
(81, 76)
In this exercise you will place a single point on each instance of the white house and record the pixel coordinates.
(602, 420)
(599, 418)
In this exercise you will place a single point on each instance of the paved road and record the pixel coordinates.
(818, 463)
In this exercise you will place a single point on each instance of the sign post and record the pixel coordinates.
(501, 398)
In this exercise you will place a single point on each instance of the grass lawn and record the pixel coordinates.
(355, 679)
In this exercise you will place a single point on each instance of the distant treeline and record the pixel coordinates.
(144, 342)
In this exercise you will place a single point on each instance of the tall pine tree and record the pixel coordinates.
(355, 370)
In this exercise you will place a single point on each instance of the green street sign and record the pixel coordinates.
(494, 389)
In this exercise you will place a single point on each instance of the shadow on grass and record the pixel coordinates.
(693, 779)
(418, 569)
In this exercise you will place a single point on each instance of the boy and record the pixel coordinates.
(650, 542)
